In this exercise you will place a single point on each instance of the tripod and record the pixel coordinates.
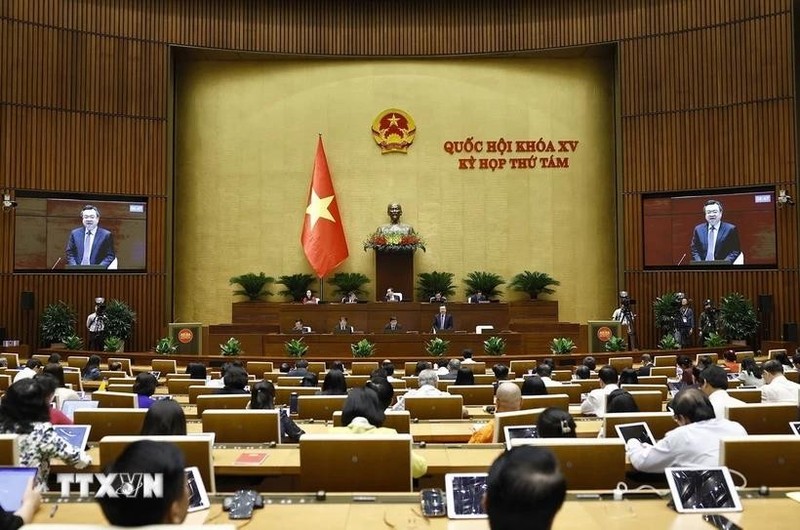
(628, 318)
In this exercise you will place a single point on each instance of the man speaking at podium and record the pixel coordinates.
(90, 244)
(715, 240)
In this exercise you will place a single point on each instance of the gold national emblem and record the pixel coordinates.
(393, 130)
(604, 334)
(185, 336)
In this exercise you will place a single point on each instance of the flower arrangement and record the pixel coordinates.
(394, 242)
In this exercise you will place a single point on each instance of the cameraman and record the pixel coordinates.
(708, 320)
(625, 317)
(96, 323)
(685, 323)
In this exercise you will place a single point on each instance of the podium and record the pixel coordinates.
(394, 269)
(187, 336)
(599, 333)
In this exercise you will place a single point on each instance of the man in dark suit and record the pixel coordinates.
(477, 298)
(715, 240)
(393, 326)
(443, 321)
(90, 244)
(343, 326)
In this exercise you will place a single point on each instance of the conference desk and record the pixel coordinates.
(402, 512)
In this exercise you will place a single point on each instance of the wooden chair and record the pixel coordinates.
(243, 426)
(125, 388)
(319, 407)
(181, 386)
(587, 463)
(363, 367)
(77, 361)
(222, 401)
(399, 420)
(620, 363)
(199, 389)
(180, 376)
(484, 379)
(283, 393)
(478, 367)
(113, 374)
(573, 390)
(126, 364)
(792, 376)
(662, 361)
(663, 389)
(748, 395)
(106, 422)
(587, 385)
(42, 358)
(121, 380)
(116, 400)
(409, 367)
(9, 449)
(522, 367)
(771, 354)
(286, 380)
(647, 400)
(356, 381)
(653, 380)
(742, 355)
(559, 401)
(11, 358)
(434, 407)
(713, 356)
(517, 417)
(660, 423)
(197, 451)
(769, 460)
(74, 379)
(5, 382)
(670, 372)
(316, 367)
(763, 418)
(332, 462)
(564, 376)
(272, 376)
(399, 383)
(259, 367)
(473, 394)
(412, 381)
(165, 366)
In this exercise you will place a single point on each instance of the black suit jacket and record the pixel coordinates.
(388, 328)
(726, 248)
(102, 249)
(448, 322)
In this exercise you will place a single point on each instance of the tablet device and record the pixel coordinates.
(75, 435)
(795, 427)
(519, 431)
(69, 406)
(464, 493)
(702, 490)
(639, 430)
(13, 482)
(198, 496)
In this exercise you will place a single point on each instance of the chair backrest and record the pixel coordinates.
(243, 426)
(179, 375)
(517, 417)
(659, 422)
(559, 401)
(768, 460)
(573, 390)
(77, 361)
(561, 375)
(399, 420)
(9, 449)
(647, 400)
(620, 363)
(434, 407)
(116, 400)
(522, 367)
(667, 371)
(478, 367)
(125, 362)
(121, 381)
(332, 462)
(363, 367)
(484, 379)
(711, 355)
(665, 360)
(653, 380)
(42, 358)
(165, 366)
(316, 367)
(663, 389)
(742, 355)
(259, 367)
(113, 374)
(222, 401)
(107, 422)
(409, 367)
(283, 393)
(288, 380)
(319, 407)
(181, 386)
(74, 379)
(412, 381)
(587, 463)
(120, 387)
(792, 376)
(12, 359)
(473, 394)
(771, 354)
(356, 381)
(748, 395)
(5, 382)
(763, 418)
(587, 385)
(197, 451)
(199, 389)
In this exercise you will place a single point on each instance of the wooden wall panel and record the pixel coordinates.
(706, 94)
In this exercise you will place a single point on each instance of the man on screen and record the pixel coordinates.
(90, 244)
(715, 240)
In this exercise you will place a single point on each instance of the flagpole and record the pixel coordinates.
(321, 289)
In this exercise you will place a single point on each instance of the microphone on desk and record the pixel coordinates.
(682, 258)
(55, 264)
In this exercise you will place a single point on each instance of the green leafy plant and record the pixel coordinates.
(669, 342)
(714, 340)
(533, 283)
(119, 320)
(437, 347)
(615, 344)
(166, 346)
(349, 282)
(430, 283)
(113, 344)
(231, 348)
(485, 282)
(737, 317)
(562, 346)
(666, 311)
(253, 286)
(296, 285)
(363, 348)
(494, 346)
(73, 342)
(56, 322)
(295, 347)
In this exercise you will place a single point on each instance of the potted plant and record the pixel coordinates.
(669, 342)
(430, 283)
(73, 342)
(363, 348)
(533, 283)
(231, 348)
(56, 322)
(119, 320)
(437, 347)
(714, 340)
(348, 282)
(562, 346)
(485, 282)
(615, 344)
(666, 311)
(253, 286)
(494, 346)
(113, 344)
(737, 318)
(296, 285)
(295, 347)
(166, 346)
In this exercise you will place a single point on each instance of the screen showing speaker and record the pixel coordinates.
(91, 234)
(712, 229)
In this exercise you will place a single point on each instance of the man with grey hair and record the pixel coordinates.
(427, 387)
(452, 370)
(778, 389)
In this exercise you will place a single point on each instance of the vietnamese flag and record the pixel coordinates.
(323, 234)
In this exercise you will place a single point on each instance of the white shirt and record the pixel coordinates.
(94, 324)
(549, 382)
(25, 373)
(423, 391)
(595, 402)
(468, 361)
(721, 400)
(748, 379)
(779, 390)
(442, 370)
(692, 445)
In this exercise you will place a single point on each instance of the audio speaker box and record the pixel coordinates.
(790, 331)
(26, 300)
(765, 303)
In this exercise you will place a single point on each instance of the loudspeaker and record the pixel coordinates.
(765, 303)
(26, 300)
(790, 331)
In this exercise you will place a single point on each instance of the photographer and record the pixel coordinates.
(685, 322)
(625, 317)
(96, 323)
(708, 320)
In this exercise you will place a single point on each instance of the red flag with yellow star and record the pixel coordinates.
(323, 234)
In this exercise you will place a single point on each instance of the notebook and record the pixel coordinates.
(702, 490)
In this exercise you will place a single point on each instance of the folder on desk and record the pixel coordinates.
(250, 459)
